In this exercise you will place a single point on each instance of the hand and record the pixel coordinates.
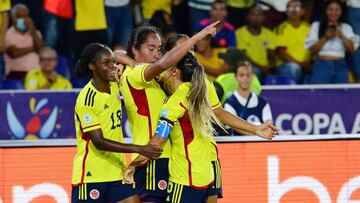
(266, 130)
(51, 77)
(152, 151)
(330, 33)
(129, 174)
(118, 72)
(30, 24)
(208, 30)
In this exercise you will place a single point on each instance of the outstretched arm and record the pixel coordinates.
(266, 130)
(176, 54)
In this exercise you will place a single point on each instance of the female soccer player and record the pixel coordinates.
(186, 119)
(266, 131)
(99, 161)
(144, 97)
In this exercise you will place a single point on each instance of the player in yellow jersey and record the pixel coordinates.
(99, 161)
(186, 117)
(144, 97)
(226, 118)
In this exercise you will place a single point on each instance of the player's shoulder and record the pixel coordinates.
(87, 96)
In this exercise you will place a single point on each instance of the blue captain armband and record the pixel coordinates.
(164, 128)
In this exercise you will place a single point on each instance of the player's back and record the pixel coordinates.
(190, 162)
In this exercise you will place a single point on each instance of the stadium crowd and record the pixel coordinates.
(287, 42)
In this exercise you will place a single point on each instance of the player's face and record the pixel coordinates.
(149, 51)
(244, 77)
(48, 61)
(105, 66)
(333, 12)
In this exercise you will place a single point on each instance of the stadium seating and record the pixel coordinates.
(63, 67)
(11, 84)
(79, 82)
(279, 80)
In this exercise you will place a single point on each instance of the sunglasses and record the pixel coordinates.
(294, 8)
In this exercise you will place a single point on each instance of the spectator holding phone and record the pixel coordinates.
(328, 41)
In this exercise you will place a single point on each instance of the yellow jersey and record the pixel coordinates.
(214, 62)
(143, 102)
(255, 46)
(293, 38)
(5, 6)
(98, 110)
(150, 6)
(35, 79)
(190, 161)
(90, 15)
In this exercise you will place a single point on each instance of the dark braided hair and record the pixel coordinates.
(139, 36)
(89, 55)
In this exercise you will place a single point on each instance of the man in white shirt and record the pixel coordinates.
(244, 103)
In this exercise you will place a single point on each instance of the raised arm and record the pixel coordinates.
(176, 54)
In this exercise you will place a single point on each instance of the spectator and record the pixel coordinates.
(23, 42)
(4, 23)
(232, 58)
(329, 40)
(225, 33)
(257, 42)
(118, 12)
(57, 18)
(274, 11)
(163, 20)
(90, 24)
(209, 58)
(244, 103)
(149, 7)
(198, 10)
(291, 36)
(354, 19)
(46, 77)
(237, 10)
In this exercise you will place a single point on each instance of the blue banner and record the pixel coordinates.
(50, 115)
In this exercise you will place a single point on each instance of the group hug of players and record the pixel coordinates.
(171, 107)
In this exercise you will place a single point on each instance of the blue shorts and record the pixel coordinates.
(178, 193)
(102, 192)
(216, 188)
(152, 180)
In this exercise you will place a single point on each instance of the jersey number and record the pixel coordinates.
(116, 119)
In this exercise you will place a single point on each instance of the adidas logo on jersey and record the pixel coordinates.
(88, 173)
(106, 106)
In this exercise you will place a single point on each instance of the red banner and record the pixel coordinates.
(309, 171)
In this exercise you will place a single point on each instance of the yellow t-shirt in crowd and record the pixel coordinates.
(143, 102)
(190, 161)
(214, 62)
(35, 79)
(150, 6)
(5, 5)
(90, 15)
(293, 38)
(98, 110)
(240, 3)
(255, 46)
